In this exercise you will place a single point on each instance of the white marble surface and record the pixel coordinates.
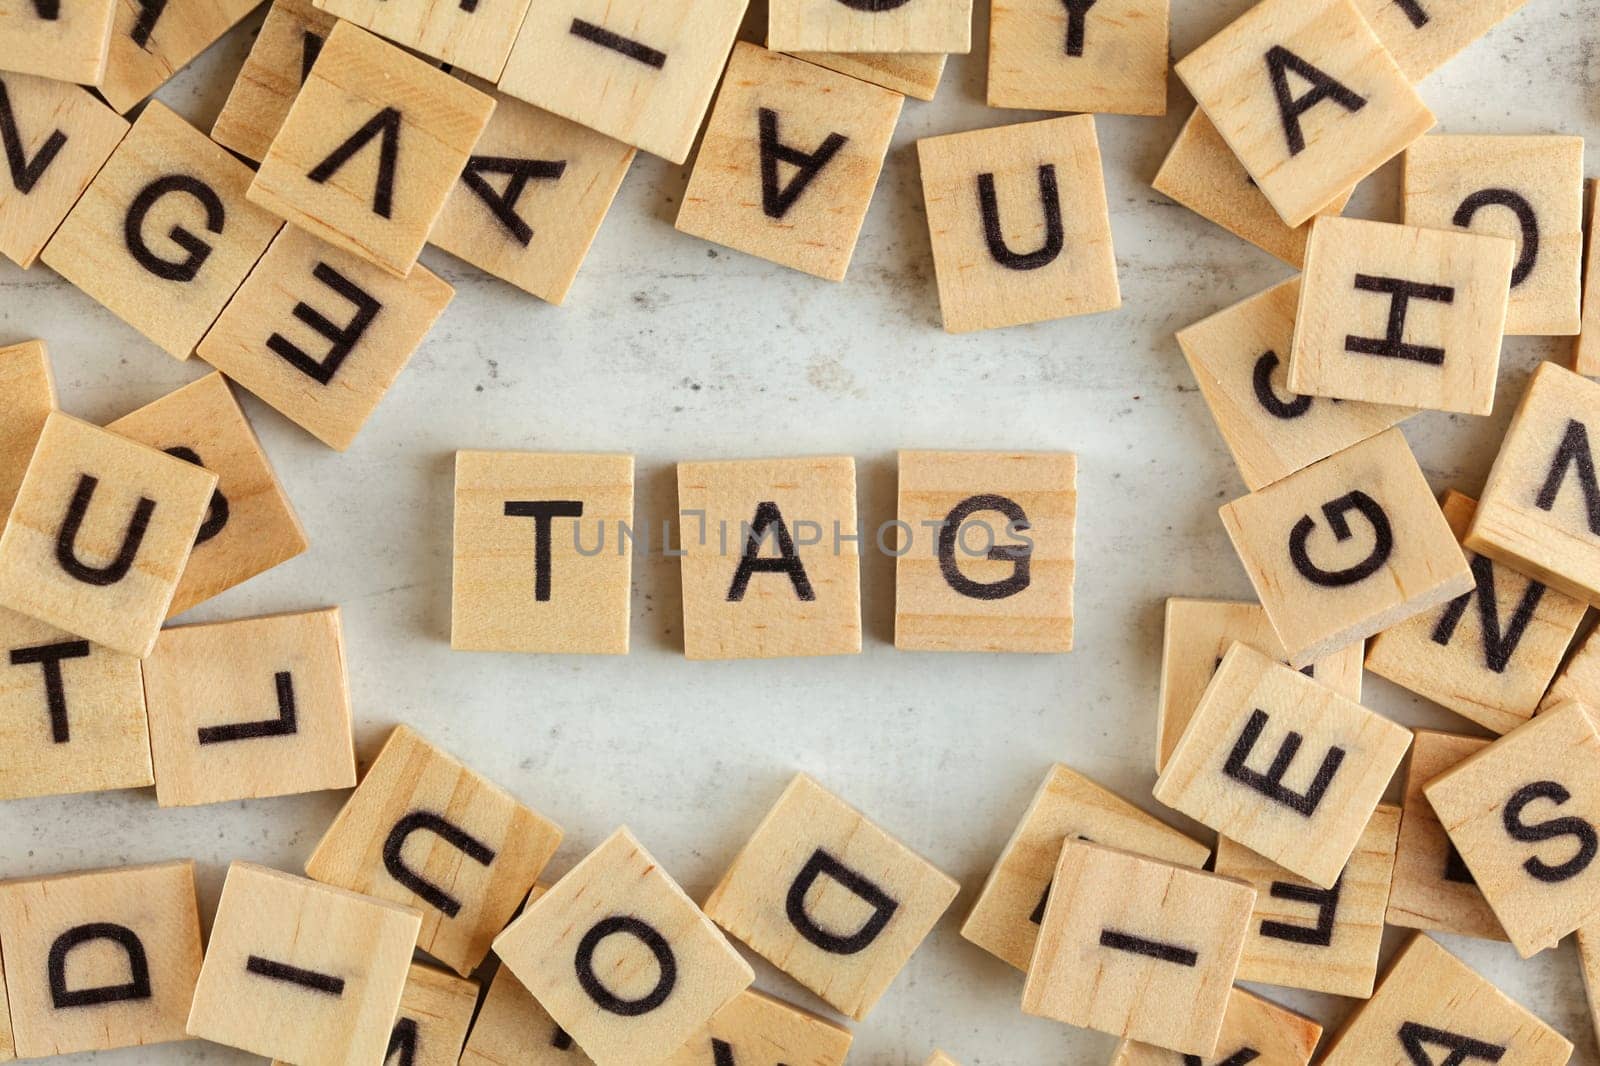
(671, 348)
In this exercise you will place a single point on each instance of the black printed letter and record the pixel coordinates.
(1392, 344)
(1326, 900)
(344, 338)
(294, 975)
(198, 251)
(1020, 556)
(1414, 1037)
(149, 14)
(1554, 829)
(821, 864)
(450, 833)
(504, 205)
(138, 986)
(281, 726)
(776, 199)
(402, 1042)
(217, 515)
(385, 123)
(1153, 949)
(1527, 221)
(1335, 511)
(1497, 647)
(25, 172)
(1323, 87)
(543, 512)
(1574, 452)
(49, 656)
(768, 515)
(66, 540)
(1261, 378)
(1270, 784)
(603, 37)
(1077, 15)
(994, 236)
(604, 998)
(1414, 12)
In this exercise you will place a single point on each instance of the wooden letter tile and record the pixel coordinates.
(1489, 655)
(1433, 889)
(1432, 1007)
(540, 565)
(758, 1029)
(464, 36)
(1586, 348)
(1202, 173)
(1347, 547)
(532, 198)
(428, 832)
(640, 71)
(65, 136)
(830, 898)
(1198, 634)
(371, 148)
(916, 26)
(621, 958)
(321, 335)
(1540, 511)
(100, 534)
(1138, 948)
(1068, 806)
(1104, 56)
(101, 959)
(71, 714)
(789, 161)
(767, 571)
(288, 43)
(251, 526)
(1254, 1030)
(29, 387)
(513, 1030)
(164, 236)
(1401, 314)
(1239, 357)
(151, 42)
(67, 42)
(1423, 35)
(1019, 224)
(435, 1011)
(248, 709)
(1283, 765)
(1527, 189)
(1322, 939)
(990, 559)
(1307, 98)
(1522, 813)
(302, 972)
(916, 76)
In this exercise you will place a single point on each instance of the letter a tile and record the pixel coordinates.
(287, 45)
(425, 831)
(1431, 1008)
(101, 959)
(1307, 98)
(621, 958)
(65, 42)
(1101, 56)
(757, 1028)
(789, 161)
(513, 1030)
(302, 972)
(1019, 224)
(29, 387)
(829, 898)
(1254, 1031)
(1283, 765)
(371, 149)
(1138, 948)
(100, 534)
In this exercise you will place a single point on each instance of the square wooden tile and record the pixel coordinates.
(1586, 348)
(300, 971)
(512, 1028)
(151, 42)
(532, 198)
(789, 161)
(916, 76)
(1138, 948)
(320, 334)
(1432, 888)
(1526, 189)
(1539, 783)
(919, 26)
(1539, 511)
(1240, 357)
(65, 136)
(1321, 939)
(1254, 1030)
(1579, 679)
(435, 1013)
(164, 236)
(67, 43)
(1307, 98)
(29, 387)
(1004, 921)
(1347, 547)
(830, 898)
(1432, 1007)
(1401, 314)
(989, 562)
(621, 958)
(1304, 806)
(288, 42)
(1202, 173)
(463, 36)
(251, 708)
(251, 526)
(370, 149)
(1423, 35)
(1004, 249)
(100, 534)
(1489, 656)
(640, 71)
(1198, 633)
(100, 959)
(540, 565)
(767, 571)
(426, 831)
(71, 714)
(758, 1028)
(1106, 56)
